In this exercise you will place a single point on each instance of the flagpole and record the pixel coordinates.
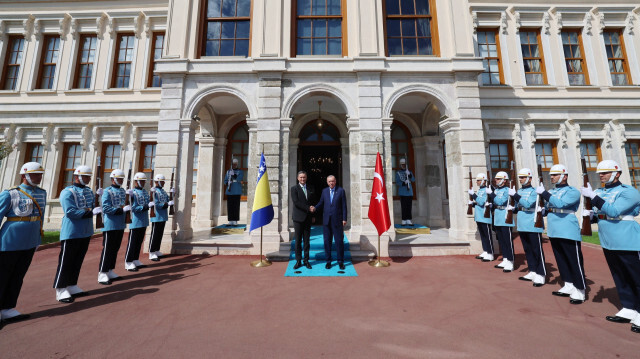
(261, 262)
(379, 263)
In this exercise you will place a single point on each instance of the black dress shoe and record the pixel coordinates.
(486, 260)
(617, 319)
(635, 328)
(81, 294)
(525, 279)
(17, 318)
(328, 266)
(105, 283)
(576, 301)
(478, 257)
(66, 300)
(297, 265)
(133, 269)
(497, 266)
(341, 265)
(306, 264)
(538, 284)
(507, 270)
(560, 294)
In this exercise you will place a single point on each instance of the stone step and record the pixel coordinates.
(230, 244)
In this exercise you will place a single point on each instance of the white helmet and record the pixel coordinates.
(608, 166)
(31, 167)
(140, 176)
(558, 170)
(117, 174)
(159, 177)
(403, 161)
(481, 177)
(502, 175)
(82, 171)
(525, 172)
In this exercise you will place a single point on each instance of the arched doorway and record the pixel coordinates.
(320, 153)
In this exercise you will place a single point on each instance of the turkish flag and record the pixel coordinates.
(378, 206)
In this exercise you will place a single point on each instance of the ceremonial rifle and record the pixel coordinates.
(586, 220)
(487, 209)
(152, 210)
(407, 172)
(99, 223)
(229, 174)
(539, 222)
(470, 208)
(171, 212)
(509, 217)
(127, 217)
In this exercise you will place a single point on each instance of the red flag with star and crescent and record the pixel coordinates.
(378, 206)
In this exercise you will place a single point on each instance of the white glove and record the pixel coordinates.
(151, 204)
(512, 191)
(588, 191)
(99, 192)
(488, 190)
(487, 204)
(471, 192)
(97, 210)
(470, 202)
(170, 203)
(129, 192)
(540, 189)
(171, 190)
(587, 212)
(510, 208)
(542, 210)
(153, 189)
(126, 208)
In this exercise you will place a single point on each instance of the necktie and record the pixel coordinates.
(332, 195)
(304, 189)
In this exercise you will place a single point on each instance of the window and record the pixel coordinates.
(574, 57)
(196, 155)
(489, 50)
(70, 160)
(147, 159)
(618, 66)
(123, 61)
(400, 148)
(156, 53)
(12, 62)
(319, 28)
(34, 153)
(590, 150)
(500, 156)
(48, 62)
(633, 161)
(110, 161)
(547, 156)
(410, 27)
(84, 64)
(532, 57)
(238, 148)
(227, 28)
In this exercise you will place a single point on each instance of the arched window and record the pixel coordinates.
(238, 148)
(326, 135)
(401, 148)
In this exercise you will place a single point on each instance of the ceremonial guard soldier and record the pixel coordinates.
(500, 199)
(23, 208)
(525, 201)
(404, 178)
(113, 208)
(484, 224)
(233, 181)
(564, 233)
(139, 222)
(615, 206)
(160, 199)
(77, 229)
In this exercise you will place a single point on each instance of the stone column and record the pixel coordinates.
(389, 176)
(451, 129)
(286, 166)
(293, 174)
(218, 173)
(206, 180)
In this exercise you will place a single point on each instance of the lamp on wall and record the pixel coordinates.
(319, 122)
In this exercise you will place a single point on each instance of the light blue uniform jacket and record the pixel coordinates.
(113, 198)
(139, 209)
(481, 198)
(160, 198)
(235, 176)
(501, 199)
(403, 189)
(563, 225)
(18, 236)
(526, 198)
(75, 202)
(620, 200)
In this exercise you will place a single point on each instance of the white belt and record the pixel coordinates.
(619, 218)
(560, 210)
(522, 209)
(500, 207)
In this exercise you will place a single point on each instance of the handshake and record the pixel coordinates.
(312, 209)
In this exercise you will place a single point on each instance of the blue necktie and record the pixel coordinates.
(332, 195)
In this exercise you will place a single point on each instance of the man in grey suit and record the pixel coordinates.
(302, 197)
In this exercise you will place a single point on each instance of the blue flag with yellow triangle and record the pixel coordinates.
(262, 208)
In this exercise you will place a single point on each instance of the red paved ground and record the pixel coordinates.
(220, 307)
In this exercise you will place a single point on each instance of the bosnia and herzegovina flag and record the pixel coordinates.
(262, 207)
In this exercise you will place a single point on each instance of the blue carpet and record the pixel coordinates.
(318, 260)
(409, 226)
(242, 226)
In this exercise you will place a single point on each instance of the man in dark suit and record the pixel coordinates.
(334, 203)
(302, 197)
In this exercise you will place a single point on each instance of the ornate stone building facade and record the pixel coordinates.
(320, 86)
